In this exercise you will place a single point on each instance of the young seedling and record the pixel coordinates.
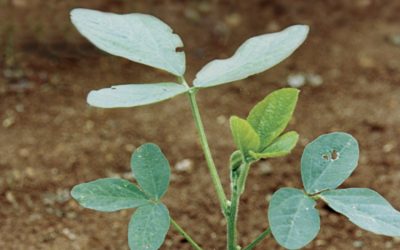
(293, 218)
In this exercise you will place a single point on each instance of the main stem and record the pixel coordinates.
(207, 152)
(237, 187)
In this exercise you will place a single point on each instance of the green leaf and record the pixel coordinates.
(365, 208)
(244, 135)
(270, 116)
(131, 95)
(138, 37)
(109, 195)
(254, 56)
(293, 219)
(151, 170)
(148, 227)
(282, 146)
(328, 161)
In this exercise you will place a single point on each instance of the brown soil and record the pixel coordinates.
(50, 139)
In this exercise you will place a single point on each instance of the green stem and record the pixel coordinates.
(207, 152)
(233, 213)
(238, 183)
(184, 234)
(262, 236)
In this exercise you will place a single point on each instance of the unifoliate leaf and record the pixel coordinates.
(280, 147)
(328, 161)
(109, 195)
(293, 219)
(365, 208)
(255, 55)
(151, 170)
(270, 116)
(131, 95)
(246, 139)
(138, 37)
(148, 227)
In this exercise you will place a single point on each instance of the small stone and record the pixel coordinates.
(388, 244)
(30, 172)
(184, 165)
(9, 121)
(314, 80)
(233, 20)
(358, 244)
(19, 108)
(296, 80)
(388, 147)
(320, 243)
(11, 198)
(129, 148)
(221, 119)
(70, 235)
(265, 167)
(395, 39)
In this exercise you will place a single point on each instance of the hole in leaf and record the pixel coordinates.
(331, 156)
(334, 155)
(179, 49)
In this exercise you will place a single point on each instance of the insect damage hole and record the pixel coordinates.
(333, 155)
(179, 49)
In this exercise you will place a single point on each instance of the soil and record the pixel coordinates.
(51, 140)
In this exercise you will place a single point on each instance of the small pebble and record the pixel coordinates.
(221, 119)
(8, 122)
(265, 167)
(296, 80)
(388, 244)
(395, 39)
(70, 235)
(314, 80)
(358, 243)
(185, 165)
(233, 20)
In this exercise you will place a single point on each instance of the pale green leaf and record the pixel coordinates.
(254, 56)
(138, 37)
(151, 170)
(365, 208)
(131, 95)
(148, 227)
(270, 116)
(282, 146)
(328, 161)
(293, 219)
(109, 195)
(246, 139)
